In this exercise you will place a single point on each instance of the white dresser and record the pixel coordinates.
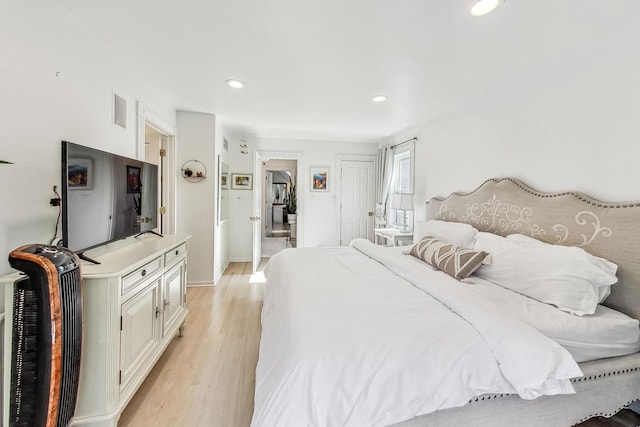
(134, 303)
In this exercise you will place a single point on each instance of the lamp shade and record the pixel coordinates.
(402, 201)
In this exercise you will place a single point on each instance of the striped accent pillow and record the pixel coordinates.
(457, 262)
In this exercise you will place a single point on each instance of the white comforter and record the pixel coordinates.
(348, 341)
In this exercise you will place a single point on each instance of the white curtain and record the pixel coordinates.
(383, 180)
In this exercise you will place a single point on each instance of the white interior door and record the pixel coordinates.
(356, 200)
(158, 127)
(257, 211)
(268, 197)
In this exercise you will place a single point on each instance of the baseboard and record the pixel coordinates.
(217, 279)
(200, 284)
(240, 260)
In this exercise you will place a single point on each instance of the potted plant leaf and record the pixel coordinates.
(292, 206)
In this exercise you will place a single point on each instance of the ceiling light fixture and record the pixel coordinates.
(483, 7)
(379, 98)
(236, 84)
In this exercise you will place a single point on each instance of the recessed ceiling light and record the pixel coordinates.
(236, 84)
(379, 98)
(483, 7)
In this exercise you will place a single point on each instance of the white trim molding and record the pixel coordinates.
(145, 117)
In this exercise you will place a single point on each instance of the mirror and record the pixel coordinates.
(223, 190)
(279, 193)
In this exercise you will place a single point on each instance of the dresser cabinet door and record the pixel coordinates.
(173, 295)
(139, 336)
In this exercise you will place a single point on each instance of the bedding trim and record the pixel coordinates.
(593, 398)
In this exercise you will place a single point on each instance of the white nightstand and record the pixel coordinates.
(393, 236)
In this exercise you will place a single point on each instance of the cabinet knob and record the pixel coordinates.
(144, 272)
(177, 252)
(167, 303)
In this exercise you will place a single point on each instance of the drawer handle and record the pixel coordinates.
(144, 273)
(177, 252)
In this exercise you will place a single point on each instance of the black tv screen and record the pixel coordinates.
(105, 197)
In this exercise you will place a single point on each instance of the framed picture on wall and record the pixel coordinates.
(241, 181)
(319, 178)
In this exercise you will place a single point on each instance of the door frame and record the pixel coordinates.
(353, 158)
(154, 120)
(262, 156)
(270, 168)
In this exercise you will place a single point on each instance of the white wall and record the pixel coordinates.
(195, 200)
(38, 109)
(317, 219)
(573, 125)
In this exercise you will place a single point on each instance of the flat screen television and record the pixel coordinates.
(105, 197)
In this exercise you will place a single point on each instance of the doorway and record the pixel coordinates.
(273, 226)
(156, 144)
(279, 228)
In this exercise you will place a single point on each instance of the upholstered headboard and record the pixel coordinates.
(507, 206)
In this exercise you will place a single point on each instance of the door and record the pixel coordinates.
(267, 216)
(257, 211)
(356, 200)
(156, 144)
(172, 296)
(139, 333)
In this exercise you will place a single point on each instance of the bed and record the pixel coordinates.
(370, 336)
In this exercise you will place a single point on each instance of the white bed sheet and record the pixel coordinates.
(375, 349)
(606, 333)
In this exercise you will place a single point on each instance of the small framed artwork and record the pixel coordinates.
(80, 174)
(241, 181)
(319, 179)
(133, 179)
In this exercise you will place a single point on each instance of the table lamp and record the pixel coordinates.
(402, 202)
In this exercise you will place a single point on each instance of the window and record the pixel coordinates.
(402, 182)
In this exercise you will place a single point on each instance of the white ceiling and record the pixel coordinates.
(312, 67)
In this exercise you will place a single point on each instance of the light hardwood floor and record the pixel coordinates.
(206, 377)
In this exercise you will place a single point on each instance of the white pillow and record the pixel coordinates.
(456, 233)
(612, 268)
(566, 277)
(492, 243)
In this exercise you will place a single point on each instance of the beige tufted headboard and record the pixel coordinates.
(507, 206)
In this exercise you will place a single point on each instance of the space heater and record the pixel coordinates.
(46, 337)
